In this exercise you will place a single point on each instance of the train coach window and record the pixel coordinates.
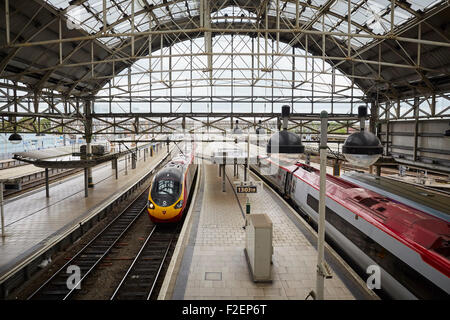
(312, 203)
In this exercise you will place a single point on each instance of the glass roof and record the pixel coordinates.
(367, 16)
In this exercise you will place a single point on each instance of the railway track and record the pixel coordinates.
(90, 256)
(140, 280)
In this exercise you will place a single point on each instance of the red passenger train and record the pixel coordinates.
(170, 189)
(410, 246)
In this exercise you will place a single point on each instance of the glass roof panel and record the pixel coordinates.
(374, 14)
(340, 7)
(422, 4)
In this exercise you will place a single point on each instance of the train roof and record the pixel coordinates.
(426, 200)
(172, 172)
(426, 234)
(176, 166)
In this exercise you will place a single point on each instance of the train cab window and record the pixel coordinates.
(166, 187)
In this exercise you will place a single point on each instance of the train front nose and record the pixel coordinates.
(165, 212)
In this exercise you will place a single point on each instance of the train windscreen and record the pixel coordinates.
(166, 189)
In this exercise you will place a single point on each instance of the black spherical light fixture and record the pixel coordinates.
(15, 138)
(285, 142)
(362, 148)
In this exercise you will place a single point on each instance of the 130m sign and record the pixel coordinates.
(246, 189)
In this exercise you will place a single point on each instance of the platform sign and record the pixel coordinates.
(246, 189)
(248, 186)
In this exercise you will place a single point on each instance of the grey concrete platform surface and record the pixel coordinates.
(211, 263)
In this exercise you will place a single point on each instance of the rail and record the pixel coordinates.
(88, 258)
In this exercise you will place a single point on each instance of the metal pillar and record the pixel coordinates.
(116, 167)
(145, 151)
(126, 164)
(224, 154)
(88, 134)
(378, 172)
(224, 189)
(247, 160)
(416, 127)
(89, 156)
(245, 169)
(151, 151)
(47, 187)
(321, 268)
(133, 160)
(86, 182)
(2, 212)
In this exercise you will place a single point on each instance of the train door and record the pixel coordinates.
(289, 185)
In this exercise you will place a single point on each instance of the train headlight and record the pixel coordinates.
(150, 205)
(179, 204)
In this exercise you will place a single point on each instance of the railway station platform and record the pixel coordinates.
(10, 163)
(24, 175)
(34, 223)
(209, 260)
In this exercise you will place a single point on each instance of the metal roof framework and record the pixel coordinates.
(58, 57)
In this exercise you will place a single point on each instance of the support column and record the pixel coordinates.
(378, 168)
(247, 160)
(320, 280)
(116, 167)
(133, 160)
(373, 116)
(245, 169)
(126, 164)
(2, 212)
(416, 127)
(47, 187)
(224, 155)
(86, 182)
(88, 135)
